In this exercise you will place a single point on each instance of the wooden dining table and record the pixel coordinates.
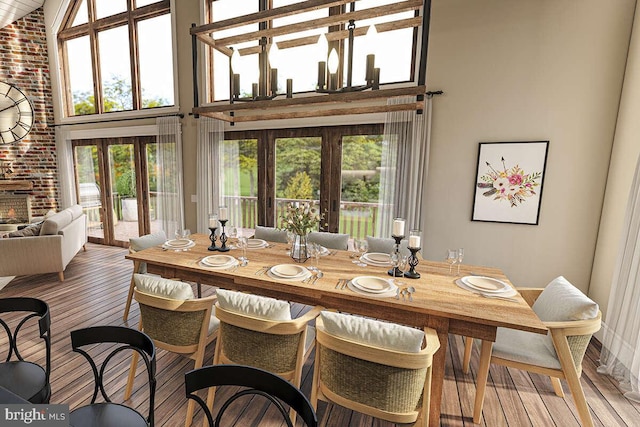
(437, 302)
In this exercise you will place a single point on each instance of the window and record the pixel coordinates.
(394, 46)
(97, 77)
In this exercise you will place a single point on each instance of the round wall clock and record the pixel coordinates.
(16, 114)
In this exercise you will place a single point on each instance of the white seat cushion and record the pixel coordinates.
(525, 347)
(254, 305)
(214, 322)
(154, 285)
(372, 332)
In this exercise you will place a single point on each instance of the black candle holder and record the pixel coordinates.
(212, 237)
(223, 237)
(413, 262)
(395, 271)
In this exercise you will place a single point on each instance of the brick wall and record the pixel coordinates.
(24, 63)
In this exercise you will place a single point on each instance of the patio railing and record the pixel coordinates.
(356, 219)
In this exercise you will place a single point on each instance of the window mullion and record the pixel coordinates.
(95, 56)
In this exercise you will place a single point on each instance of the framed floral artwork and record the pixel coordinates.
(509, 180)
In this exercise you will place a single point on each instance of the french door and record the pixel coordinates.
(114, 181)
(337, 167)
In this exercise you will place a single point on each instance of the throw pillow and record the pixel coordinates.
(31, 230)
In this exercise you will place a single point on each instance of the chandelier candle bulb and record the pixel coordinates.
(322, 77)
(236, 85)
(274, 81)
(369, 77)
(398, 227)
(289, 88)
(376, 79)
(254, 90)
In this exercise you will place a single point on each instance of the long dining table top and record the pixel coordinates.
(437, 301)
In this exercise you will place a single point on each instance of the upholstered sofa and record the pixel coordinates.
(59, 239)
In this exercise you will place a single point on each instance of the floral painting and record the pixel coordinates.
(509, 181)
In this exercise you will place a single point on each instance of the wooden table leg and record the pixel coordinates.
(481, 380)
(437, 376)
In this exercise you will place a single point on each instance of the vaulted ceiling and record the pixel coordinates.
(12, 10)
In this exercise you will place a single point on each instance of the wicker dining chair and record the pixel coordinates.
(258, 331)
(571, 317)
(385, 380)
(137, 244)
(179, 326)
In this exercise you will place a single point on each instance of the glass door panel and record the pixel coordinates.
(124, 191)
(239, 182)
(297, 177)
(89, 194)
(360, 184)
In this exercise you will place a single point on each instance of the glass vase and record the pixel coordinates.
(299, 249)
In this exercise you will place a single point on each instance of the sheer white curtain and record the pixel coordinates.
(404, 167)
(170, 199)
(620, 355)
(230, 181)
(210, 137)
(66, 180)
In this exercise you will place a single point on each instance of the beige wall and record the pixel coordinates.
(624, 157)
(517, 71)
(511, 71)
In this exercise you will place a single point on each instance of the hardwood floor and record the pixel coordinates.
(94, 293)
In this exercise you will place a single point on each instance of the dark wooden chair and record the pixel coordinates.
(23, 378)
(258, 382)
(108, 413)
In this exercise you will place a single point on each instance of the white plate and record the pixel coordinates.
(217, 260)
(372, 284)
(374, 260)
(389, 293)
(178, 243)
(256, 243)
(508, 293)
(485, 284)
(378, 257)
(300, 278)
(232, 263)
(288, 270)
(180, 247)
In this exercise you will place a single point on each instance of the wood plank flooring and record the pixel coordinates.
(94, 293)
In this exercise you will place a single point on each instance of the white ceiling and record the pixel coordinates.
(12, 10)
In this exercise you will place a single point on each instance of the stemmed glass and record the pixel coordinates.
(315, 250)
(233, 233)
(460, 257)
(242, 244)
(183, 233)
(451, 258)
(361, 248)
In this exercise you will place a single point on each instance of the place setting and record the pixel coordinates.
(290, 272)
(372, 286)
(376, 259)
(219, 262)
(487, 287)
(257, 244)
(182, 242)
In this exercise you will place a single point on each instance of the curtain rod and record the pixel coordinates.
(433, 92)
(181, 115)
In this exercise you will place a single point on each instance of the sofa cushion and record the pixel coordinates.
(254, 305)
(167, 288)
(372, 332)
(53, 224)
(32, 230)
(76, 211)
